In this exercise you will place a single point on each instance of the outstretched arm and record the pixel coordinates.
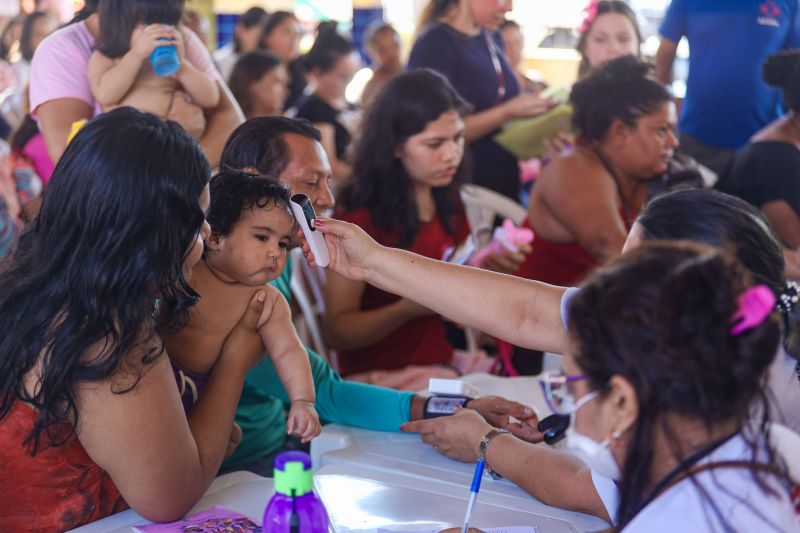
(523, 312)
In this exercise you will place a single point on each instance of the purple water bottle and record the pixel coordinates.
(294, 508)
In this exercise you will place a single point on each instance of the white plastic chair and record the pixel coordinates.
(306, 285)
(12, 106)
(483, 206)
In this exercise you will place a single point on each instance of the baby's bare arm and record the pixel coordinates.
(203, 90)
(287, 352)
(110, 82)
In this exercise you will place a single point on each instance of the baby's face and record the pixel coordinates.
(255, 251)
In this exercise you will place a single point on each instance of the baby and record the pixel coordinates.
(251, 231)
(119, 71)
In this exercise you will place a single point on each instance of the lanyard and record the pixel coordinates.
(689, 467)
(498, 67)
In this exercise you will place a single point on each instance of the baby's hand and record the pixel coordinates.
(303, 420)
(145, 39)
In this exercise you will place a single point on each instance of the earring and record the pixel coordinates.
(616, 440)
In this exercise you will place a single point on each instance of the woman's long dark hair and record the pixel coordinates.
(118, 19)
(16, 21)
(659, 317)
(403, 108)
(273, 21)
(255, 16)
(329, 46)
(435, 9)
(248, 70)
(27, 32)
(726, 223)
(77, 296)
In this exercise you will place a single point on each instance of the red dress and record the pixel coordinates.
(559, 263)
(421, 341)
(57, 489)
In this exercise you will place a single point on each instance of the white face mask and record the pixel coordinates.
(596, 456)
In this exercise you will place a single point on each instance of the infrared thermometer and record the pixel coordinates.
(305, 216)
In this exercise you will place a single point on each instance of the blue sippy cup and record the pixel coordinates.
(164, 59)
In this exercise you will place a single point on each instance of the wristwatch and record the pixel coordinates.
(436, 406)
(482, 449)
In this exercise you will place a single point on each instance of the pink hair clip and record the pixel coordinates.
(590, 13)
(755, 305)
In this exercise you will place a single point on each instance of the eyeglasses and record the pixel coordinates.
(558, 396)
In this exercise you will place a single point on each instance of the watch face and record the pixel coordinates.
(308, 210)
(444, 405)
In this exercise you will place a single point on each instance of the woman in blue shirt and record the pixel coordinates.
(457, 39)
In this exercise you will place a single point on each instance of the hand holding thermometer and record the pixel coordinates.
(473, 493)
(305, 216)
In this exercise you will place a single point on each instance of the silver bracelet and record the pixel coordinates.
(482, 449)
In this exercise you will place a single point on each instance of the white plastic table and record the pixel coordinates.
(402, 460)
(360, 500)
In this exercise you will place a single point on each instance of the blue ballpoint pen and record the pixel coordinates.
(473, 493)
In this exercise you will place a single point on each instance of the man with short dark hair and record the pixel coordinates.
(290, 150)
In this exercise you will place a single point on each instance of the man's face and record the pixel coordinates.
(309, 171)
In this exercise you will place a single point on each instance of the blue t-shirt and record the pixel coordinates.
(467, 63)
(726, 99)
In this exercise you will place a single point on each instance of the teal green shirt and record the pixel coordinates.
(262, 408)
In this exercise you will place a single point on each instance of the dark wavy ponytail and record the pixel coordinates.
(659, 317)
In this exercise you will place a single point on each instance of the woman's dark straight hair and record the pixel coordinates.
(16, 21)
(79, 293)
(27, 32)
(248, 69)
(118, 19)
(403, 108)
(255, 16)
(726, 223)
(273, 21)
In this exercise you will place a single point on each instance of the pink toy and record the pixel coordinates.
(507, 237)
(755, 305)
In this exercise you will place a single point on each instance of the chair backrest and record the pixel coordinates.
(483, 206)
(306, 284)
(12, 106)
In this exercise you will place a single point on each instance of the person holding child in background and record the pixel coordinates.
(123, 70)
(60, 93)
(248, 246)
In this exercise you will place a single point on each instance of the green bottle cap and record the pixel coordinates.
(293, 474)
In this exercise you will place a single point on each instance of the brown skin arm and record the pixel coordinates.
(785, 221)
(221, 121)
(665, 58)
(55, 121)
(581, 198)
